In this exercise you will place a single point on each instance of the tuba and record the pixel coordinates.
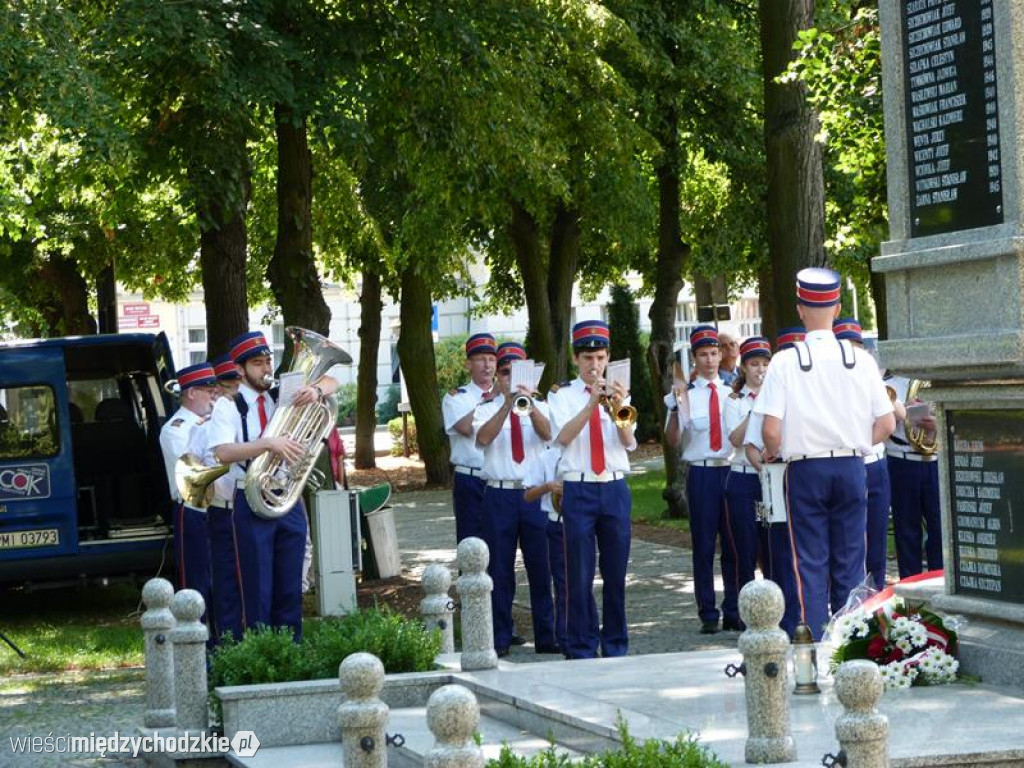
(918, 436)
(194, 480)
(272, 485)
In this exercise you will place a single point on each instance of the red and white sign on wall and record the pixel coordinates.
(134, 309)
(149, 321)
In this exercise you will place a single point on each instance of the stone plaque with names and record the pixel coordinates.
(952, 115)
(986, 459)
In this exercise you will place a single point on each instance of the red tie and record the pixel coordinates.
(716, 420)
(596, 440)
(517, 439)
(263, 412)
(752, 395)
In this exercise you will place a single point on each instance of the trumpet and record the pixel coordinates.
(624, 416)
(522, 404)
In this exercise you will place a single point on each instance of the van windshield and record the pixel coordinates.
(28, 422)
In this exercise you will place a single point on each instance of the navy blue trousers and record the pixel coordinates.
(257, 568)
(878, 521)
(827, 503)
(192, 555)
(468, 500)
(511, 523)
(915, 501)
(742, 491)
(597, 529)
(777, 565)
(556, 559)
(709, 522)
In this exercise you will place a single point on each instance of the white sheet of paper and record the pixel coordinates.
(291, 383)
(618, 371)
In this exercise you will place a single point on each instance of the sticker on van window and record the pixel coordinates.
(30, 481)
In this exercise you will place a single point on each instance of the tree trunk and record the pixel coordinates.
(106, 299)
(672, 252)
(66, 308)
(371, 310)
(292, 271)
(796, 187)
(525, 235)
(222, 257)
(416, 353)
(878, 295)
(563, 263)
(766, 303)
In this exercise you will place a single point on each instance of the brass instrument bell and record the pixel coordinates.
(194, 480)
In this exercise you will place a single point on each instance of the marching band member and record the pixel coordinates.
(543, 483)
(775, 553)
(742, 486)
(458, 407)
(914, 474)
(228, 377)
(510, 440)
(848, 328)
(824, 407)
(198, 386)
(698, 416)
(596, 502)
(257, 563)
(728, 365)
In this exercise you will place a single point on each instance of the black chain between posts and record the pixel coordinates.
(731, 670)
(831, 761)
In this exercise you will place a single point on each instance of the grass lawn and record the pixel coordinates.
(648, 505)
(71, 629)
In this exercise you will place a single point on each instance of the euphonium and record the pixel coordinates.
(273, 485)
(918, 436)
(194, 480)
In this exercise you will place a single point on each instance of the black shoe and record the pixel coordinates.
(502, 652)
(731, 625)
(548, 649)
(709, 628)
(518, 640)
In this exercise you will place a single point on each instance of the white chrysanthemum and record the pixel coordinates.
(849, 626)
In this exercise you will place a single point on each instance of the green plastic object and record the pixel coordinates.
(373, 498)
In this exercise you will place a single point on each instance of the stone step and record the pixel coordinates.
(411, 722)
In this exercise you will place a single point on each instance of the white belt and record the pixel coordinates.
(471, 471)
(911, 456)
(743, 469)
(839, 453)
(871, 458)
(505, 485)
(590, 477)
(710, 463)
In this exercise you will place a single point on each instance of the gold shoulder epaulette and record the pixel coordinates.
(453, 392)
(734, 396)
(553, 388)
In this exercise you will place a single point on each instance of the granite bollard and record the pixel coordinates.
(363, 716)
(157, 623)
(863, 732)
(764, 647)
(189, 638)
(437, 607)
(453, 716)
(474, 587)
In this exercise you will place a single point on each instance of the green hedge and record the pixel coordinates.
(395, 429)
(269, 655)
(684, 752)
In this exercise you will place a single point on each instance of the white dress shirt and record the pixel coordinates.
(226, 427)
(696, 430)
(454, 407)
(736, 410)
(565, 404)
(543, 468)
(897, 441)
(498, 462)
(174, 442)
(829, 407)
(753, 434)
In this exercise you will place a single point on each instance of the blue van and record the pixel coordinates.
(83, 492)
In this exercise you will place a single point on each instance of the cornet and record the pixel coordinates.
(522, 405)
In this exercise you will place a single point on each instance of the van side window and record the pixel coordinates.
(28, 422)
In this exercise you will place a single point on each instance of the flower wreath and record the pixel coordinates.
(911, 645)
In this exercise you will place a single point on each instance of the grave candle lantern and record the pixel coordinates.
(805, 661)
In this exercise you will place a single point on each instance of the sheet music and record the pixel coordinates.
(290, 384)
(525, 373)
(617, 371)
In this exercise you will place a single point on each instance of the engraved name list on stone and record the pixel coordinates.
(952, 115)
(986, 454)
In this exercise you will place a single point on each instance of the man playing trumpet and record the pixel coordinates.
(596, 503)
(512, 431)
